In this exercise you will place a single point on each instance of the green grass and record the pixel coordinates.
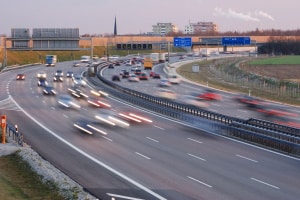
(281, 60)
(19, 182)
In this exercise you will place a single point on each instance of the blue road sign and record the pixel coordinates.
(183, 42)
(235, 41)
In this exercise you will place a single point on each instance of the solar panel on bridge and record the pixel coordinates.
(236, 41)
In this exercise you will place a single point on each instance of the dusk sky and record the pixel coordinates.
(138, 16)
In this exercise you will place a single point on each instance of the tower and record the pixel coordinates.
(115, 27)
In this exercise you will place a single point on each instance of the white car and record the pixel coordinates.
(78, 80)
(174, 79)
(41, 75)
(194, 101)
(133, 78)
(166, 94)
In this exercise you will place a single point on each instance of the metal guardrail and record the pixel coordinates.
(271, 135)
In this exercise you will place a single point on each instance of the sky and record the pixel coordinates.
(138, 16)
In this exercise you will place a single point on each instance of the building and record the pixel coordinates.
(200, 27)
(164, 28)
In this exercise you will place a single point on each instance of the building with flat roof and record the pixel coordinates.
(164, 28)
(200, 27)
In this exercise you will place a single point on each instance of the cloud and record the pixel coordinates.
(233, 14)
(265, 15)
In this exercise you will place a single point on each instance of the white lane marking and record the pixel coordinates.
(159, 127)
(273, 186)
(143, 155)
(152, 139)
(107, 138)
(246, 158)
(123, 176)
(195, 140)
(122, 197)
(66, 116)
(196, 157)
(207, 185)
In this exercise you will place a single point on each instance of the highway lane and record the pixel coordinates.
(162, 154)
(228, 106)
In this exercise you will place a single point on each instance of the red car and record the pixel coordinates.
(143, 76)
(20, 77)
(210, 95)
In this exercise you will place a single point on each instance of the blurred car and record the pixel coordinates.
(133, 68)
(138, 64)
(20, 77)
(122, 71)
(76, 64)
(41, 75)
(143, 76)
(78, 80)
(98, 102)
(49, 90)
(111, 66)
(156, 75)
(117, 63)
(249, 101)
(88, 127)
(125, 74)
(67, 101)
(133, 117)
(133, 78)
(174, 79)
(151, 73)
(59, 73)
(115, 78)
(77, 92)
(164, 83)
(194, 101)
(210, 95)
(166, 94)
(42, 82)
(58, 78)
(111, 118)
(137, 72)
(69, 74)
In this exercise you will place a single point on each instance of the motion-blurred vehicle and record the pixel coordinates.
(42, 82)
(78, 80)
(167, 94)
(133, 78)
(210, 95)
(249, 101)
(115, 78)
(76, 64)
(49, 90)
(133, 117)
(67, 101)
(58, 78)
(87, 126)
(77, 92)
(174, 79)
(20, 77)
(194, 101)
(98, 102)
(70, 74)
(125, 74)
(156, 75)
(111, 118)
(133, 68)
(110, 66)
(137, 72)
(143, 76)
(164, 83)
(41, 75)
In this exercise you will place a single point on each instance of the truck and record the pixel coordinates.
(148, 63)
(162, 57)
(154, 57)
(50, 60)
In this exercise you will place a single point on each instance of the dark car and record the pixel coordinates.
(137, 72)
(42, 82)
(249, 101)
(110, 66)
(49, 90)
(58, 78)
(125, 74)
(70, 74)
(59, 73)
(20, 77)
(115, 78)
(156, 75)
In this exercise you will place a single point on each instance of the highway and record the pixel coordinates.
(159, 160)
